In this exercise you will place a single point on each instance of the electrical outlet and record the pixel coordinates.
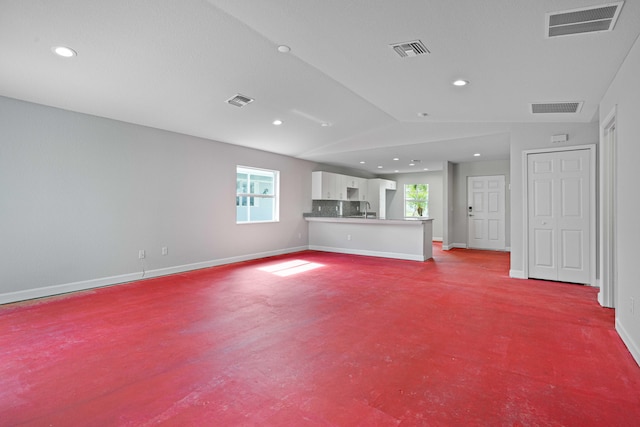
(319, 208)
(141, 254)
(348, 236)
(165, 250)
(299, 235)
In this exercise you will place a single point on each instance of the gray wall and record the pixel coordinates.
(80, 195)
(461, 171)
(395, 199)
(623, 94)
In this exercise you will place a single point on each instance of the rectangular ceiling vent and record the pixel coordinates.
(239, 100)
(586, 20)
(556, 107)
(407, 49)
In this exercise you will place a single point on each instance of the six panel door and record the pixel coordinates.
(486, 212)
(559, 215)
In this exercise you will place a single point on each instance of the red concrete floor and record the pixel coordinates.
(328, 340)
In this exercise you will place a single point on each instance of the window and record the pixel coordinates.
(256, 195)
(416, 200)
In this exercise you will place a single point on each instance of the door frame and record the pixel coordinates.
(504, 207)
(592, 205)
(608, 205)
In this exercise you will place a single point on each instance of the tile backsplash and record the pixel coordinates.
(334, 208)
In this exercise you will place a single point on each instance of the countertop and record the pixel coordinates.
(377, 221)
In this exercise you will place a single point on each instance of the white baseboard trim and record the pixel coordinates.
(48, 291)
(464, 246)
(600, 298)
(436, 239)
(517, 274)
(456, 245)
(634, 347)
(410, 257)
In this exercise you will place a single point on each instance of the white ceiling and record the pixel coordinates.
(173, 64)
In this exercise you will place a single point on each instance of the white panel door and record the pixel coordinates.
(486, 212)
(558, 215)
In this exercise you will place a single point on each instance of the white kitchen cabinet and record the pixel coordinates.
(357, 189)
(334, 186)
(363, 189)
(323, 186)
(341, 186)
(373, 195)
(353, 182)
(328, 186)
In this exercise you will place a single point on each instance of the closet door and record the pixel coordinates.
(559, 215)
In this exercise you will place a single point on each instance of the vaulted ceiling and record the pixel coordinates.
(343, 93)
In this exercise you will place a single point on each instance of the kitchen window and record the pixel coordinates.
(416, 200)
(256, 195)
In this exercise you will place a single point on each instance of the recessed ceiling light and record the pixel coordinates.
(412, 164)
(423, 114)
(426, 169)
(460, 82)
(63, 51)
(396, 159)
(379, 167)
(284, 49)
(396, 171)
(277, 122)
(325, 124)
(362, 163)
(476, 155)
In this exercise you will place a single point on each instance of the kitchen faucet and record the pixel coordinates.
(367, 206)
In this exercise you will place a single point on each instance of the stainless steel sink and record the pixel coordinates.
(369, 215)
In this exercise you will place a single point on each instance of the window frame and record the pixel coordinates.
(408, 200)
(252, 199)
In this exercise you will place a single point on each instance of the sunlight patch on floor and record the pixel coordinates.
(289, 268)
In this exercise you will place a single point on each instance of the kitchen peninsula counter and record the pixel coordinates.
(409, 239)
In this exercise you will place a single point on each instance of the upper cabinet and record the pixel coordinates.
(323, 186)
(388, 184)
(362, 192)
(341, 186)
(334, 186)
(328, 186)
(352, 181)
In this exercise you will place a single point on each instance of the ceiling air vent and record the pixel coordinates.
(239, 100)
(586, 20)
(413, 48)
(556, 107)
